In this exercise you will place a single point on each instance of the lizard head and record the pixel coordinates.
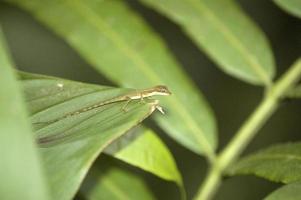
(162, 90)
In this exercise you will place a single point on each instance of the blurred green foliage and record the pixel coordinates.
(20, 168)
(136, 47)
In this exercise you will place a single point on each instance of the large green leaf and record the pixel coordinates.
(142, 148)
(20, 168)
(139, 147)
(70, 144)
(225, 33)
(291, 6)
(288, 192)
(279, 163)
(110, 181)
(119, 44)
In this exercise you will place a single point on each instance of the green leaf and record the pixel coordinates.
(20, 169)
(119, 44)
(71, 144)
(110, 181)
(279, 163)
(142, 148)
(295, 92)
(225, 33)
(291, 6)
(288, 192)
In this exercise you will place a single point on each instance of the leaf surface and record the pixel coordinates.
(291, 6)
(225, 33)
(288, 192)
(142, 148)
(295, 92)
(20, 167)
(279, 163)
(110, 181)
(119, 44)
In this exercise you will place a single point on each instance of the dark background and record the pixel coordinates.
(35, 48)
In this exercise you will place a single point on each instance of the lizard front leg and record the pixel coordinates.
(126, 104)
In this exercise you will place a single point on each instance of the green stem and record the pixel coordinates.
(210, 185)
(247, 131)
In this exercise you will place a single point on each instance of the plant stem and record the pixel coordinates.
(237, 144)
(210, 185)
(247, 131)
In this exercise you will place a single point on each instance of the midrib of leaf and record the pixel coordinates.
(115, 190)
(96, 21)
(257, 68)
